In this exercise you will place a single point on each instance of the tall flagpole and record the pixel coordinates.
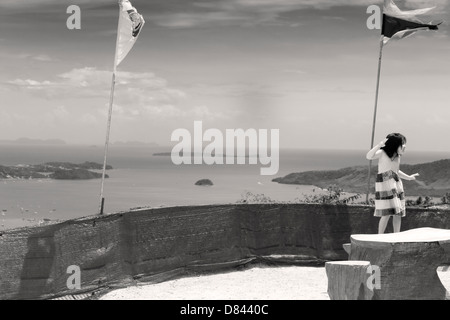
(374, 116)
(108, 126)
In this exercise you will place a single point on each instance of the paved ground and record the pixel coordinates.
(257, 283)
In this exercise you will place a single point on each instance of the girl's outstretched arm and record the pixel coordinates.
(376, 152)
(403, 175)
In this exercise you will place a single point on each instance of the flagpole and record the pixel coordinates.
(108, 126)
(108, 129)
(374, 116)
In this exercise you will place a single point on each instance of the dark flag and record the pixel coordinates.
(399, 24)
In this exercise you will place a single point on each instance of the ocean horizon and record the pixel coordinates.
(141, 179)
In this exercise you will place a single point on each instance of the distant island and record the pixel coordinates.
(169, 154)
(135, 144)
(434, 179)
(54, 170)
(165, 154)
(28, 141)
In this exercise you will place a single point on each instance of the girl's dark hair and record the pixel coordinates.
(394, 141)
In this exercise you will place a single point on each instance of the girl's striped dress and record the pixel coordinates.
(389, 195)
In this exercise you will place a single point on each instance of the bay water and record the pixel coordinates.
(140, 178)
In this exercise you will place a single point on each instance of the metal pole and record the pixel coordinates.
(108, 127)
(374, 116)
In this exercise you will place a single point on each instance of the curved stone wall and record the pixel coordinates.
(154, 245)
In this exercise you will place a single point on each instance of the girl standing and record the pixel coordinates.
(389, 193)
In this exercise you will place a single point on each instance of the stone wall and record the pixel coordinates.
(154, 245)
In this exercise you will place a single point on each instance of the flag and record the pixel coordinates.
(130, 26)
(399, 24)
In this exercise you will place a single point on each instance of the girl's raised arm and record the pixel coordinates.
(403, 175)
(375, 152)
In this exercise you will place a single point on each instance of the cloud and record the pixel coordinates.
(279, 5)
(425, 3)
(56, 116)
(139, 97)
(93, 82)
(241, 12)
(21, 4)
(433, 119)
(295, 71)
(40, 118)
(5, 119)
(26, 56)
(42, 58)
(29, 84)
(235, 90)
(203, 112)
(89, 119)
(142, 93)
(194, 19)
(200, 13)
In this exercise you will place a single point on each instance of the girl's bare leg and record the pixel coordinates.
(383, 223)
(396, 223)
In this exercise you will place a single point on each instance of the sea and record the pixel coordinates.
(142, 179)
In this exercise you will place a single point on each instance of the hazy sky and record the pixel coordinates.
(306, 67)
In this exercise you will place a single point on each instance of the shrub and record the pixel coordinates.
(446, 198)
(332, 196)
(249, 197)
(420, 202)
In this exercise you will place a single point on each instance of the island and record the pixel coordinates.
(165, 154)
(434, 179)
(54, 170)
(204, 182)
(32, 142)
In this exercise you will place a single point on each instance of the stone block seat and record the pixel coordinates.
(347, 280)
(406, 264)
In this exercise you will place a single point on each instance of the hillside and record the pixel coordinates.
(434, 179)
